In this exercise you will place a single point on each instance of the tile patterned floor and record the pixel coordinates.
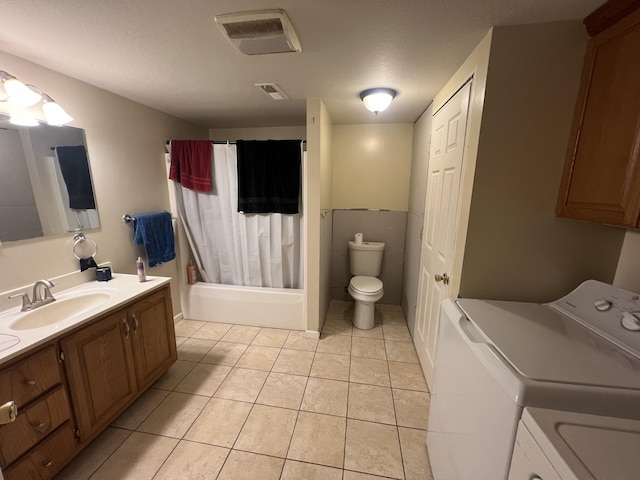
(259, 403)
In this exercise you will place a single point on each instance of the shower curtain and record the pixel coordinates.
(258, 250)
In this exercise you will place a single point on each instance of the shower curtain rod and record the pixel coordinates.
(225, 142)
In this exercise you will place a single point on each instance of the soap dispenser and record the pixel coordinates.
(142, 275)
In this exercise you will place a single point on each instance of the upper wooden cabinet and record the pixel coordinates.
(601, 178)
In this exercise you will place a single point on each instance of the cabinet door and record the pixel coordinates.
(153, 337)
(100, 372)
(601, 180)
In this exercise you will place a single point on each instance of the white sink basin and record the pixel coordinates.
(59, 310)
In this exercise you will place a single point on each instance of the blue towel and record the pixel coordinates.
(155, 231)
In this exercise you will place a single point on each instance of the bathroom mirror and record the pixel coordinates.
(45, 182)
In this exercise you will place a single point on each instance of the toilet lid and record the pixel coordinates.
(366, 284)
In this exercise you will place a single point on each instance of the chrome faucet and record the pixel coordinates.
(36, 297)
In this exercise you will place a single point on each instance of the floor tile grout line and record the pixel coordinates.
(130, 432)
(307, 376)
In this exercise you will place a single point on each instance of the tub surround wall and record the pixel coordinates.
(126, 150)
(388, 227)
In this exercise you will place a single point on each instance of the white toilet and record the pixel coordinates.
(365, 260)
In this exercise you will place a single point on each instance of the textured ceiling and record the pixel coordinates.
(170, 55)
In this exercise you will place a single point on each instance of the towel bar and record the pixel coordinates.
(126, 218)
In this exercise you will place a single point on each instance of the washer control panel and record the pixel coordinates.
(610, 311)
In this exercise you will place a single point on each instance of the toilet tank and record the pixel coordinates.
(365, 258)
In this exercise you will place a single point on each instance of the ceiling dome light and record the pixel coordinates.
(54, 113)
(377, 99)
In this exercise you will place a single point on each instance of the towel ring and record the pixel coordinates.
(78, 240)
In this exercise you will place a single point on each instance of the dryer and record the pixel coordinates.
(580, 353)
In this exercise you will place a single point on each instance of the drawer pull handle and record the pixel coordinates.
(48, 463)
(30, 382)
(136, 323)
(40, 425)
(127, 328)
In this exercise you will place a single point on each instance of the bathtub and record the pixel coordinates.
(260, 307)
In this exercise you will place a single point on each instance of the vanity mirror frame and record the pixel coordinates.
(34, 197)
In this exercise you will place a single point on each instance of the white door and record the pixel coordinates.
(439, 232)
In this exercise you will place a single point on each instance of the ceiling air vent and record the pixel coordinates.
(260, 32)
(272, 90)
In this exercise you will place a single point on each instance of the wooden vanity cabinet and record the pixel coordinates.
(113, 360)
(99, 366)
(153, 337)
(601, 178)
(40, 441)
(108, 362)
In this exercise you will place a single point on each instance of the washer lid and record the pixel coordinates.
(545, 345)
(366, 284)
(586, 446)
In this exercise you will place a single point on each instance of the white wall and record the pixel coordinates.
(326, 213)
(126, 149)
(516, 249)
(628, 271)
(372, 166)
(415, 217)
(312, 213)
(259, 133)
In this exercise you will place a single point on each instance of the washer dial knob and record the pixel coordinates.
(630, 321)
(602, 305)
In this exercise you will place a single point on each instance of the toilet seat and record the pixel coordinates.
(366, 285)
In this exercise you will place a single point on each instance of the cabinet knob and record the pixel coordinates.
(30, 382)
(48, 463)
(40, 425)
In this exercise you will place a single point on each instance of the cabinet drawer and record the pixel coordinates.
(44, 461)
(26, 380)
(33, 424)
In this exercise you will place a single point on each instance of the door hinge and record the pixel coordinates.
(60, 356)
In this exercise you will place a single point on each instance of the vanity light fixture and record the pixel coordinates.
(377, 99)
(17, 92)
(53, 112)
(23, 119)
(23, 96)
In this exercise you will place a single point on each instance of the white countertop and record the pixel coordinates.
(122, 288)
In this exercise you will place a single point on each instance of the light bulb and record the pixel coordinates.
(20, 94)
(55, 114)
(23, 119)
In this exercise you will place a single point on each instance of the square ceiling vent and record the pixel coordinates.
(260, 32)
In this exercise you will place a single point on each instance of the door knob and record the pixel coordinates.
(444, 278)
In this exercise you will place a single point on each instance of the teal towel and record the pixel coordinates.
(155, 231)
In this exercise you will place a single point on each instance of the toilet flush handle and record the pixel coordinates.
(444, 278)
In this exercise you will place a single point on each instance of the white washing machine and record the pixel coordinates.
(558, 445)
(493, 358)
